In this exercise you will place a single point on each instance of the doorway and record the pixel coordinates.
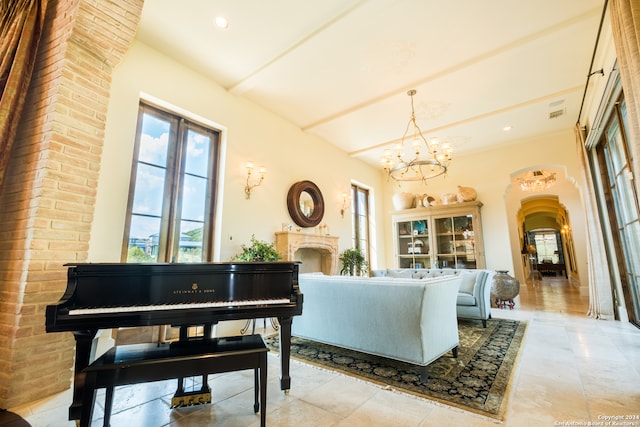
(547, 253)
(547, 241)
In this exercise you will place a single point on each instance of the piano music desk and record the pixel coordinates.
(137, 363)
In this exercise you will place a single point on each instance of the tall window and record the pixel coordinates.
(360, 220)
(619, 198)
(172, 193)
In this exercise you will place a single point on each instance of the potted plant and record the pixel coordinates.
(258, 251)
(353, 262)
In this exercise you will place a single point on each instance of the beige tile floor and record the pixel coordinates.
(572, 370)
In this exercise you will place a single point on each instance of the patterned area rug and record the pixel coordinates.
(478, 380)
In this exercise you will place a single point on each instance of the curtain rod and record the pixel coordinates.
(593, 57)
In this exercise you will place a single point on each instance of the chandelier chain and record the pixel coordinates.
(434, 164)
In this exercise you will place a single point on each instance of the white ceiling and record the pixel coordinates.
(340, 69)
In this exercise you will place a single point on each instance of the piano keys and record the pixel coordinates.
(113, 295)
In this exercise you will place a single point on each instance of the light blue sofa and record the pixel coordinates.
(474, 295)
(404, 319)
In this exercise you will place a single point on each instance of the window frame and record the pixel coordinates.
(607, 181)
(172, 197)
(356, 239)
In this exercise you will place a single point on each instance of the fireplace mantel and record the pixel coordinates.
(288, 242)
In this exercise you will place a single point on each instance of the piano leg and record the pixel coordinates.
(285, 352)
(84, 342)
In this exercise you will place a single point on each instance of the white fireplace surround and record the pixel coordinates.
(288, 242)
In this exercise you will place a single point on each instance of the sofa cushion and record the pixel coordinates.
(468, 282)
(428, 273)
(400, 273)
(422, 274)
(465, 299)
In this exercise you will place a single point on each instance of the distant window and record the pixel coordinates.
(172, 191)
(360, 220)
(546, 243)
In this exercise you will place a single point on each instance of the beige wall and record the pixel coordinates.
(249, 133)
(252, 133)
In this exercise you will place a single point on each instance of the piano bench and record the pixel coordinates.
(138, 363)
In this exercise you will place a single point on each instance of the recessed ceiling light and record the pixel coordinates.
(222, 22)
(506, 128)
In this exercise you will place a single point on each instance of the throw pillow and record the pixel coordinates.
(401, 273)
(468, 282)
(378, 273)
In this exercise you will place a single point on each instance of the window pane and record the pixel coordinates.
(149, 192)
(616, 148)
(362, 203)
(194, 196)
(197, 157)
(362, 229)
(630, 243)
(625, 200)
(190, 246)
(363, 248)
(154, 140)
(547, 248)
(143, 239)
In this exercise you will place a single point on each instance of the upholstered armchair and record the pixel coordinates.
(474, 296)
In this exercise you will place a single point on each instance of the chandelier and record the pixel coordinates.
(537, 180)
(430, 160)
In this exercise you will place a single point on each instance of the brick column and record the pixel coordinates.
(48, 198)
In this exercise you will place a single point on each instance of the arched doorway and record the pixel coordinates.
(547, 239)
(552, 211)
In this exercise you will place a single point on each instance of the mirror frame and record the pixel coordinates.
(293, 204)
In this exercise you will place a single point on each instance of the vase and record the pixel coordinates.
(449, 198)
(504, 289)
(403, 201)
(466, 194)
(428, 200)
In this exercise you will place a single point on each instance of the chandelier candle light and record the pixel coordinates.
(430, 163)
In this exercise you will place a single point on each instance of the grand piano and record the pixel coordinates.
(113, 295)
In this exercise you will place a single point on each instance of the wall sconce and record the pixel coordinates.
(249, 187)
(346, 203)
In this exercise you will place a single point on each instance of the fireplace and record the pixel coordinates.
(320, 250)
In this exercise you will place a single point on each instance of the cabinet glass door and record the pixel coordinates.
(455, 242)
(413, 244)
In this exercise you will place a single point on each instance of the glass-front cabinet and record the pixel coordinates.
(444, 236)
(455, 240)
(413, 244)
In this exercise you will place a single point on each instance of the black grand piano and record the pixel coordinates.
(112, 295)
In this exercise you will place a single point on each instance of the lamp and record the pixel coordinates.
(537, 180)
(346, 203)
(433, 163)
(249, 187)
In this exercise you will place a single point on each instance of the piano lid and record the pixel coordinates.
(121, 284)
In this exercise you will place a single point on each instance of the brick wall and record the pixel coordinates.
(47, 202)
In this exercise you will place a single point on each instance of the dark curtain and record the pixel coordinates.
(21, 24)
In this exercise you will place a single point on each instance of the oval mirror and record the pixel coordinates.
(305, 204)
